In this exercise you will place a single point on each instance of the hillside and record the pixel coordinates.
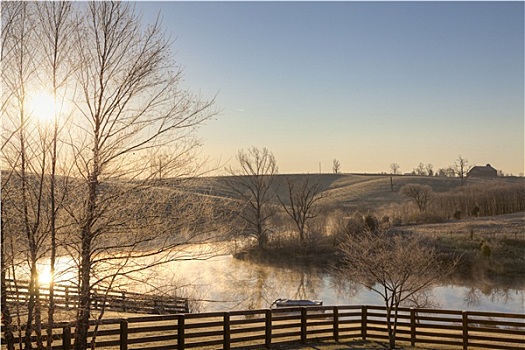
(349, 191)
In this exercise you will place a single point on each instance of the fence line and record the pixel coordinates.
(267, 327)
(67, 297)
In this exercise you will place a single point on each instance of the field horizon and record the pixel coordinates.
(349, 191)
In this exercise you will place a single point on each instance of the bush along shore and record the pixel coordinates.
(491, 248)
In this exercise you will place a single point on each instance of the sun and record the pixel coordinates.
(45, 277)
(41, 105)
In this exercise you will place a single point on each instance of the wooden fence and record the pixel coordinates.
(267, 327)
(66, 297)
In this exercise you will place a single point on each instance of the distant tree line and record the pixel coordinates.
(465, 201)
(460, 169)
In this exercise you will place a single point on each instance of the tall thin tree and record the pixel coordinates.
(131, 102)
(56, 28)
(253, 183)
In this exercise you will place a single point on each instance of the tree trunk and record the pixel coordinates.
(262, 239)
(301, 225)
(7, 321)
(52, 259)
(390, 328)
(84, 307)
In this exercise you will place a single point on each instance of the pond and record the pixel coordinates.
(221, 282)
(224, 283)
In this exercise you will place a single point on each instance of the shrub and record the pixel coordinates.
(397, 221)
(355, 224)
(421, 195)
(371, 223)
(486, 251)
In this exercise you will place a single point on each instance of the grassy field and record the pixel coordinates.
(504, 235)
(352, 191)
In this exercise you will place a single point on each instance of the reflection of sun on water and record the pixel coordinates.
(45, 277)
(64, 272)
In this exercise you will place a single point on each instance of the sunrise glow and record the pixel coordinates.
(42, 106)
(45, 277)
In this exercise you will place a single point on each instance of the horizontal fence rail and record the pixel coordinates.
(67, 297)
(267, 327)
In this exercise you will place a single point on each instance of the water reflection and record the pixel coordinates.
(238, 284)
(65, 272)
(215, 283)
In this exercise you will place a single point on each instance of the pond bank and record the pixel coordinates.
(491, 248)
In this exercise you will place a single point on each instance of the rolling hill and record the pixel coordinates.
(348, 191)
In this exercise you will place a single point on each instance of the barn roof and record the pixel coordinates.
(486, 170)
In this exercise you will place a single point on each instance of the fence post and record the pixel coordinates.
(123, 334)
(66, 338)
(412, 326)
(335, 314)
(363, 322)
(226, 340)
(66, 297)
(180, 332)
(465, 329)
(124, 308)
(303, 324)
(268, 329)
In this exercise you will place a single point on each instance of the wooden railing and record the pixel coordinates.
(264, 328)
(66, 297)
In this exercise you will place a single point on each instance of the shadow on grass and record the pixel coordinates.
(351, 345)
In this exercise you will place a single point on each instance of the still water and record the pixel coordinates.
(221, 282)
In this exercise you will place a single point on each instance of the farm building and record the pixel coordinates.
(482, 171)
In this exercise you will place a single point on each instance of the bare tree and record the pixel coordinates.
(397, 267)
(24, 151)
(450, 171)
(461, 166)
(35, 48)
(430, 169)
(130, 103)
(56, 26)
(301, 203)
(420, 170)
(336, 166)
(158, 163)
(253, 184)
(394, 167)
(7, 319)
(10, 16)
(421, 195)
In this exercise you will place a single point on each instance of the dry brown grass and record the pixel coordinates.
(354, 191)
(501, 226)
(504, 234)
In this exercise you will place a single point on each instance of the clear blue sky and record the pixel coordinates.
(368, 83)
